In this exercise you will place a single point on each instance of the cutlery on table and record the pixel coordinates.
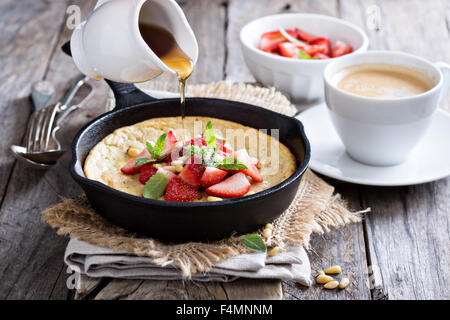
(42, 147)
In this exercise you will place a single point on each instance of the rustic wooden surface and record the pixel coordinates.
(405, 240)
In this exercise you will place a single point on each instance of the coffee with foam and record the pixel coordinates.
(379, 80)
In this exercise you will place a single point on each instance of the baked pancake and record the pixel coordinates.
(109, 156)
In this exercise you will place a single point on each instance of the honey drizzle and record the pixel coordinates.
(166, 48)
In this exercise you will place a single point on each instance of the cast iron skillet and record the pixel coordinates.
(195, 221)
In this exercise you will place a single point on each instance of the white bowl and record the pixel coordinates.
(301, 80)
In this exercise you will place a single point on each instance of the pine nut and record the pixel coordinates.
(211, 198)
(269, 226)
(267, 233)
(177, 163)
(170, 168)
(321, 273)
(333, 270)
(259, 165)
(178, 168)
(344, 283)
(331, 285)
(157, 165)
(322, 279)
(133, 152)
(274, 251)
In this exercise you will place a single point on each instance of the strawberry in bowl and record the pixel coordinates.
(298, 44)
(290, 51)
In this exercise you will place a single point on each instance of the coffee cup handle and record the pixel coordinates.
(445, 68)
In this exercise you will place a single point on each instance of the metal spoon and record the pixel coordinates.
(45, 158)
(41, 160)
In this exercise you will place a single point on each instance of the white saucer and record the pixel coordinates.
(429, 161)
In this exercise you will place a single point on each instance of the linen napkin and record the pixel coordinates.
(96, 262)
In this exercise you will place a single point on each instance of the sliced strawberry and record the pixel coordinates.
(170, 142)
(304, 36)
(288, 49)
(225, 147)
(323, 44)
(269, 41)
(129, 167)
(147, 171)
(235, 186)
(192, 174)
(212, 176)
(320, 56)
(242, 156)
(170, 175)
(253, 172)
(340, 48)
(179, 191)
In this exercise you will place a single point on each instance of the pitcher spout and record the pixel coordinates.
(168, 15)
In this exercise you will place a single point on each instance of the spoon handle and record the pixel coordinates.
(73, 91)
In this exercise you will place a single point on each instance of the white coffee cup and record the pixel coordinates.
(383, 131)
(109, 44)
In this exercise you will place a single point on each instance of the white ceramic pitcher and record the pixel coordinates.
(109, 45)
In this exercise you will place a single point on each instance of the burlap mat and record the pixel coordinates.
(315, 208)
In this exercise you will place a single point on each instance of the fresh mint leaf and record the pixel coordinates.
(150, 148)
(303, 55)
(159, 145)
(209, 135)
(155, 186)
(254, 242)
(156, 150)
(231, 163)
(140, 161)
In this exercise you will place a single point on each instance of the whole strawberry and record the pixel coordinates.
(147, 171)
(179, 191)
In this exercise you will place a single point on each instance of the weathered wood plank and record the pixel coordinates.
(28, 37)
(344, 247)
(407, 230)
(408, 235)
(190, 290)
(32, 265)
(254, 289)
(242, 12)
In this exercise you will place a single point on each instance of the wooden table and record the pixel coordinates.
(405, 239)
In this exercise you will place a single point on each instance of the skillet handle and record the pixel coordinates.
(126, 94)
